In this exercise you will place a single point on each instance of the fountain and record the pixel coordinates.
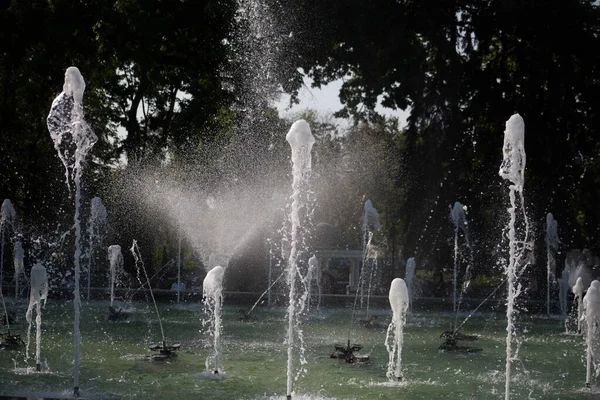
(409, 276)
(395, 333)
(301, 141)
(459, 220)
(371, 224)
(115, 258)
(98, 218)
(7, 216)
(213, 303)
(563, 293)
(552, 242)
(73, 139)
(39, 293)
(578, 291)
(512, 169)
(161, 351)
(591, 303)
(18, 255)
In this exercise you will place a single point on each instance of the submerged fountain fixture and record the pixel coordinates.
(213, 302)
(394, 339)
(512, 169)
(552, 242)
(39, 293)
(73, 139)
(301, 141)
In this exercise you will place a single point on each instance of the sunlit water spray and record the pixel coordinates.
(213, 302)
(394, 339)
(512, 169)
(301, 141)
(578, 290)
(38, 293)
(73, 139)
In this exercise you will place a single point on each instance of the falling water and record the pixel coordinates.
(115, 259)
(18, 255)
(395, 333)
(39, 293)
(513, 170)
(552, 242)
(98, 218)
(213, 301)
(301, 141)
(73, 139)
(563, 293)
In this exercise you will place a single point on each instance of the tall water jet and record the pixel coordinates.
(212, 293)
(591, 303)
(18, 257)
(115, 259)
(301, 141)
(512, 169)
(563, 293)
(73, 139)
(552, 242)
(98, 218)
(39, 293)
(409, 276)
(459, 220)
(394, 339)
(7, 216)
(578, 290)
(371, 224)
(137, 256)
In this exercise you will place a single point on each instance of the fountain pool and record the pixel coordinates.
(113, 363)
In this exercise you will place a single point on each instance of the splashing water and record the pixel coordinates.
(39, 293)
(301, 141)
(98, 218)
(213, 301)
(578, 290)
(115, 259)
(73, 139)
(512, 169)
(552, 242)
(395, 333)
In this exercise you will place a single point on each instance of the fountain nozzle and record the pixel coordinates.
(76, 392)
(216, 372)
(588, 385)
(38, 367)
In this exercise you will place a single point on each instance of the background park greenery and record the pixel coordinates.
(185, 87)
